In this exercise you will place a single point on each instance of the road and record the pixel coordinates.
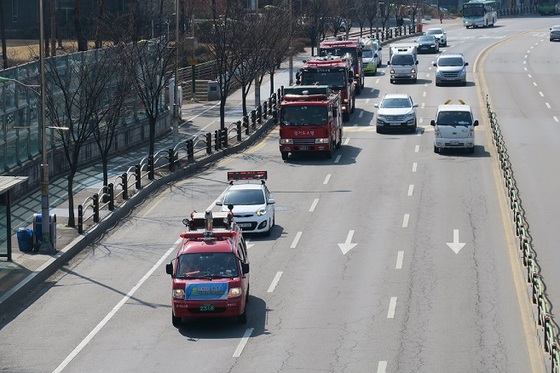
(358, 275)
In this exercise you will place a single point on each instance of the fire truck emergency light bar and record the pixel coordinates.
(246, 175)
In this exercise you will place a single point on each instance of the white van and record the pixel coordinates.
(454, 127)
(410, 48)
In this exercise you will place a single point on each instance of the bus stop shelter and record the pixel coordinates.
(7, 183)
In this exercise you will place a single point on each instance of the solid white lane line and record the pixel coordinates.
(296, 240)
(400, 257)
(243, 342)
(115, 309)
(392, 307)
(410, 190)
(414, 166)
(274, 282)
(405, 220)
(337, 159)
(327, 178)
(382, 367)
(314, 204)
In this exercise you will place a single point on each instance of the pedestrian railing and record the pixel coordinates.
(548, 330)
(196, 149)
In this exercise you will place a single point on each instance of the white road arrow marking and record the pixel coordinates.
(347, 246)
(456, 246)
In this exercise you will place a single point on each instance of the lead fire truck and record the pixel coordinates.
(340, 48)
(310, 120)
(210, 272)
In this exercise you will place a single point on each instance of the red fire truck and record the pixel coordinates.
(210, 273)
(340, 48)
(336, 73)
(310, 120)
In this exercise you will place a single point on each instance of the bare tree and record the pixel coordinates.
(148, 64)
(107, 119)
(225, 34)
(3, 34)
(73, 97)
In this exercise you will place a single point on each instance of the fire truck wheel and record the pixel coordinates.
(359, 89)
(339, 143)
(284, 156)
(353, 104)
(176, 321)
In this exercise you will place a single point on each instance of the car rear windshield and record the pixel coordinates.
(244, 197)
(454, 118)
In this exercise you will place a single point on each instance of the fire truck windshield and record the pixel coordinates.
(338, 51)
(335, 79)
(303, 115)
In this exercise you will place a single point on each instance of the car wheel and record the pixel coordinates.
(242, 319)
(176, 321)
(378, 129)
(413, 129)
(436, 149)
(471, 150)
(339, 143)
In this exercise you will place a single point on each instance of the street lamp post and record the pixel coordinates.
(176, 87)
(291, 57)
(46, 246)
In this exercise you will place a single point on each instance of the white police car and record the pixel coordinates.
(253, 205)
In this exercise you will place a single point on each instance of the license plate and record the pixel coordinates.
(206, 307)
(304, 148)
(244, 225)
(395, 124)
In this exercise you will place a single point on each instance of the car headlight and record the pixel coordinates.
(179, 293)
(261, 211)
(235, 292)
(462, 72)
(286, 141)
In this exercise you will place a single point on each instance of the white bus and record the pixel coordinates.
(479, 14)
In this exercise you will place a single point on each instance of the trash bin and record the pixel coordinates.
(213, 90)
(25, 239)
(38, 230)
(419, 27)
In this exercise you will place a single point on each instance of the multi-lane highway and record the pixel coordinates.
(363, 271)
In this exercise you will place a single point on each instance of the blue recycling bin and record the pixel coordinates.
(38, 230)
(25, 239)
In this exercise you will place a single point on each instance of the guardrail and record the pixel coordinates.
(549, 329)
(165, 161)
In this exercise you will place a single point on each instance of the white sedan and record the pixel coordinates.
(253, 206)
(440, 34)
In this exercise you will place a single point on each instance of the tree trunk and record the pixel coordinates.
(3, 34)
(99, 26)
(70, 191)
(52, 11)
(80, 38)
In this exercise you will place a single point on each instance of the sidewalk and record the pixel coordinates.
(26, 270)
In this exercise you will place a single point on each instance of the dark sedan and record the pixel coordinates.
(427, 44)
(555, 33)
